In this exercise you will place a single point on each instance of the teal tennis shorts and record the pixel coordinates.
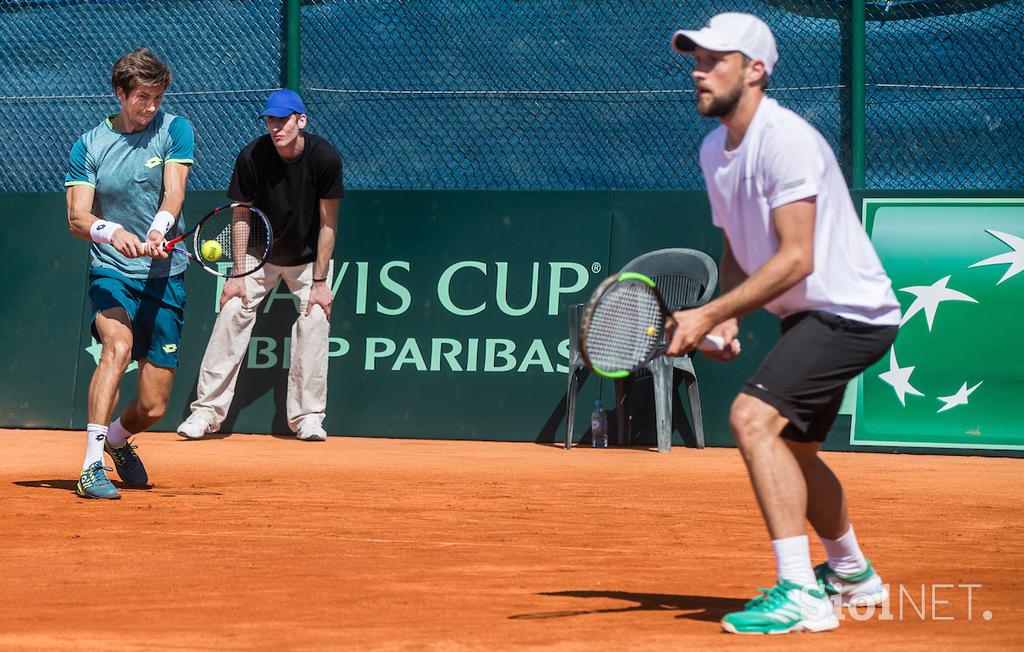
(155, 306)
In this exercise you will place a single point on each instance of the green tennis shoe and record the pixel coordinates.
(863, 589)
(786, 607)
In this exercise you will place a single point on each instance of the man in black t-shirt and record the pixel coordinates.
(295, 178)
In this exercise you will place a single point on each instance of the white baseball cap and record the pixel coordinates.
(731, 32)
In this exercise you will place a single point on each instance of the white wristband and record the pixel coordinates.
(102, 230)
(162, 222)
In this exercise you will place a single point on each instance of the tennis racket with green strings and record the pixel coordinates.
(626, 324)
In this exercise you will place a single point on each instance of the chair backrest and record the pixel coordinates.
(686, 278)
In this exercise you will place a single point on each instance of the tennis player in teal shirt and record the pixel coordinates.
(125, 190)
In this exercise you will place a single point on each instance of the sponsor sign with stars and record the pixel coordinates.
(953, 378)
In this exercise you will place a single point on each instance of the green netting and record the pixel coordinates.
(944, 103)
(582, 94)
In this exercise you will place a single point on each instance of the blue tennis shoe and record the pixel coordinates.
(129, 467)
(95, 484)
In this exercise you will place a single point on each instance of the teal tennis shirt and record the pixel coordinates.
(127, 171)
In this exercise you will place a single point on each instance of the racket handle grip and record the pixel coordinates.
(716, 343)
(712, 343)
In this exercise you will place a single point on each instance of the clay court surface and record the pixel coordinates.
(259, 542)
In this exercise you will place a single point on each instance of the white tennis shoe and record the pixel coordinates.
(311, 430)
(194, 427)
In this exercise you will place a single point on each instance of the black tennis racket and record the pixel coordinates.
(231, 240)
(626, 324)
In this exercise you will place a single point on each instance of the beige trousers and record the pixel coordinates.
(229, 342)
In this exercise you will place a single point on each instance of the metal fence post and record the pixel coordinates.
(857, 92)
(292, 45)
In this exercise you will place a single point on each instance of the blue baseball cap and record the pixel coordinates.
(283, 103)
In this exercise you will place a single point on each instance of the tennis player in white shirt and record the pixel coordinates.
(795, 246)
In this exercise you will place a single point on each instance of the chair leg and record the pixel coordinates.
(570, 404)
(575, 368)
(693, 393)
(685, 363)
(661, 371)
(623, 434)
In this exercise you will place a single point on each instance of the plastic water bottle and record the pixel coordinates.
(599, 427)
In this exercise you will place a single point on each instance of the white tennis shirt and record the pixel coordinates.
(783, 159)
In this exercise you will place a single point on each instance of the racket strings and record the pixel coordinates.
(626, 328)
(243, 237)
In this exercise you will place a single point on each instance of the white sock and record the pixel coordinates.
(97, 434)
(793, 557)
(844, 555)
(117, 435)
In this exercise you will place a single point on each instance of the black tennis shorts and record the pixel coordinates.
(805, 374)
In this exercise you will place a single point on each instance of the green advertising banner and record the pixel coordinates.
(448, 318)
(42, 271)
(953, 378)
(449, 321)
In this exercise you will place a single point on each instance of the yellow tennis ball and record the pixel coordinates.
(651, 330)
(211, 251)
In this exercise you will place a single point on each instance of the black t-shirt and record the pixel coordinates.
(289, 192)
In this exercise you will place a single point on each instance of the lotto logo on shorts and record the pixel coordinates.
(170, 348)
(153, 162)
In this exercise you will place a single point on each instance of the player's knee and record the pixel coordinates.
(117, 352)
(748, 423)
(153, 411)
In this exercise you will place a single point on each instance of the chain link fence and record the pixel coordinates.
(571, 94)
(944, 101)
(55, 77)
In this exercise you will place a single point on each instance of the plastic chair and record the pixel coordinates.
(686, 278)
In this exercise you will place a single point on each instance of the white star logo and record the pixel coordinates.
(1015, 258)
(960, 398)
(929, 297)
(899, 378)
